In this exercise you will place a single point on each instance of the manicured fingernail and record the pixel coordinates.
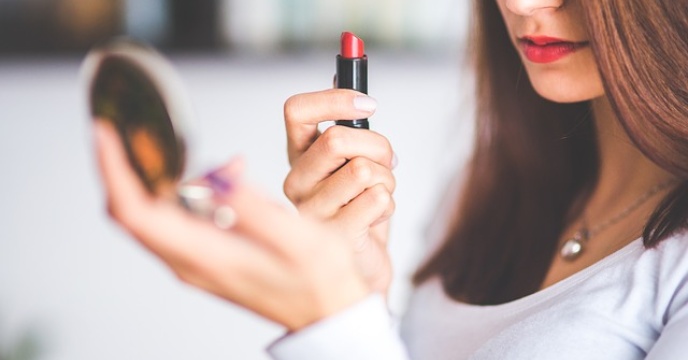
(365, 103)
(395, 160)
(218, 183)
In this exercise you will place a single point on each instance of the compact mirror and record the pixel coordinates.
(136, 89)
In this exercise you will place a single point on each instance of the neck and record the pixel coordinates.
(624, 173)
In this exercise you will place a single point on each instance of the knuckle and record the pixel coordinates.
(391, 207)
(384, 149)
(380, 195)
(387, 145)
(289, 188)
(189, 271)
(130, 215)
(184, 276)
(291, 106)
(361, 170)
(112, 211)
(392, 184)
(333, 140)
(116, 212)
(388, 150)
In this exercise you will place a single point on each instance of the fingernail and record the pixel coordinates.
(395, 160)
(365, 103)
(218, 182)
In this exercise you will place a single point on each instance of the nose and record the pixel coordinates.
(529, 7)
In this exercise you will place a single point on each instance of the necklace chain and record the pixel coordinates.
(574, 246)
(629, 209)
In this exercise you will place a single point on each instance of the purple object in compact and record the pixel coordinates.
(218, 183)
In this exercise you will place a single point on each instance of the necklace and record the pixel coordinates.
(574, 246)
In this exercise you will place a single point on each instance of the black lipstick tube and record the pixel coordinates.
(352, 73)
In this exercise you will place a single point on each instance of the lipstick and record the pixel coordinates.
(544, 49)
(352, 72)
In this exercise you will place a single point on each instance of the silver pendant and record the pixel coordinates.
(571, 249)
(574, 246)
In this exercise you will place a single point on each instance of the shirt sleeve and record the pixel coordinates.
(363, 331)
(672, 342)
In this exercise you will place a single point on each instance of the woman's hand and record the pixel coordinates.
(286, 268)
(343, 176)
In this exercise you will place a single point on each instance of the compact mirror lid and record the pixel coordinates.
(136, 89)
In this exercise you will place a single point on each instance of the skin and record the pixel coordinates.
(301, 268)
(338, 173)
(570, 79)
(293, 272)
(625, 173)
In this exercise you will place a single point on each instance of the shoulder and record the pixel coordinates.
(668, 264)
(671, 292)
(669, 256)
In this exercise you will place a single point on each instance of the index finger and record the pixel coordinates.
(303, 113)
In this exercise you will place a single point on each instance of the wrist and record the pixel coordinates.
(339, 297)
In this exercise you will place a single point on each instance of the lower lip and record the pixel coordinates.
(543, 54)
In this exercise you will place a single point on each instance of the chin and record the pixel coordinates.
(566, 88)
(560, 93)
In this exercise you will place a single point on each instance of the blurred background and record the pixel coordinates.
(75, 287)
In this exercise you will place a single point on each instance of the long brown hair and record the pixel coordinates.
(535, 161)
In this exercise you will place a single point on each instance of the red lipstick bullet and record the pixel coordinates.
(352, 46)
(352, 72)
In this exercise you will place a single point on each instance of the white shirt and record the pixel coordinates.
(632, 304)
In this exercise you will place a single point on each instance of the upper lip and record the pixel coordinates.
(546, 40)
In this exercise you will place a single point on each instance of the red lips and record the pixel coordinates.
(545, 49)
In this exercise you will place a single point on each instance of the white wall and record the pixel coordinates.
(92, 293)
(261, 25)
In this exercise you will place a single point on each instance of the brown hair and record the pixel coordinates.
(535, 161)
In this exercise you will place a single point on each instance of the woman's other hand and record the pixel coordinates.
(342, 176)
(286, 268)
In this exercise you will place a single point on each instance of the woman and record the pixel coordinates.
(570, 224)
